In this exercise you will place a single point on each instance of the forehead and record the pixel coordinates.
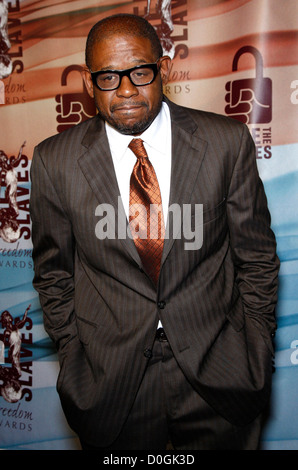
(121, 52)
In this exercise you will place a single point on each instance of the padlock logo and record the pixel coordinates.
(73, 108)
(249, 99)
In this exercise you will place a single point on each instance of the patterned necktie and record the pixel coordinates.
(146, 217)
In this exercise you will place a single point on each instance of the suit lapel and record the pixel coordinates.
(188, 153)
(97, 166)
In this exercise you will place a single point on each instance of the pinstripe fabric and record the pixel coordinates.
(168, 413)
(101, 310)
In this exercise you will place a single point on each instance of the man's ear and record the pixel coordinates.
(165, 68)
(88, 81)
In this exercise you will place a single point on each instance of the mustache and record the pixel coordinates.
(114, 107)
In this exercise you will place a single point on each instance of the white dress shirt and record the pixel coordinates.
(157, 141)
(158, 144)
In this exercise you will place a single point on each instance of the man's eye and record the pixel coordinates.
(108, 78)
(141, 73)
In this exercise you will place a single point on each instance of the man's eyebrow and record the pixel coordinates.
(111, 67)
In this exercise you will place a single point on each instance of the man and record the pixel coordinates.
(182, 352)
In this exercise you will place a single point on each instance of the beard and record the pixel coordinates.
(135, 128)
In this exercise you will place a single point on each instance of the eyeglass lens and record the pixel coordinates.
(139, 77)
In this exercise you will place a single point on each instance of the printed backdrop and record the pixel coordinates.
(234, 57)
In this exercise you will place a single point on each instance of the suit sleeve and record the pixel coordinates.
(53, 250)
(252, 240)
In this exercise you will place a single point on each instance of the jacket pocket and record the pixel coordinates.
(236, 315)
(86, 329)
(214, 212)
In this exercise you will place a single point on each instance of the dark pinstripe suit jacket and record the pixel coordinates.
(102, 311)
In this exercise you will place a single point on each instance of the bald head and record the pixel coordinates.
(122, 24)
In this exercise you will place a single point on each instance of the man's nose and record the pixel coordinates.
(127, 88)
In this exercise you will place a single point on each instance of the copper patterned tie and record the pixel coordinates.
(146, 218)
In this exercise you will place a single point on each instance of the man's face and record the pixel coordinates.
(129, 109)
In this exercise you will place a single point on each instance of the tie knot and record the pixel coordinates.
(137, 146)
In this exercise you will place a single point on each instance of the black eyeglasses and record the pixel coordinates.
(107, 80)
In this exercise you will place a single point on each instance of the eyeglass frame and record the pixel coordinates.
(126, 73)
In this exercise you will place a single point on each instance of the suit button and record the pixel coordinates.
(161, 304)
(148, 353)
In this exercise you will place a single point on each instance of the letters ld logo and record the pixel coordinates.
(250, 99)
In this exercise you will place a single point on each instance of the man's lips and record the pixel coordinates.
(128, 108)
